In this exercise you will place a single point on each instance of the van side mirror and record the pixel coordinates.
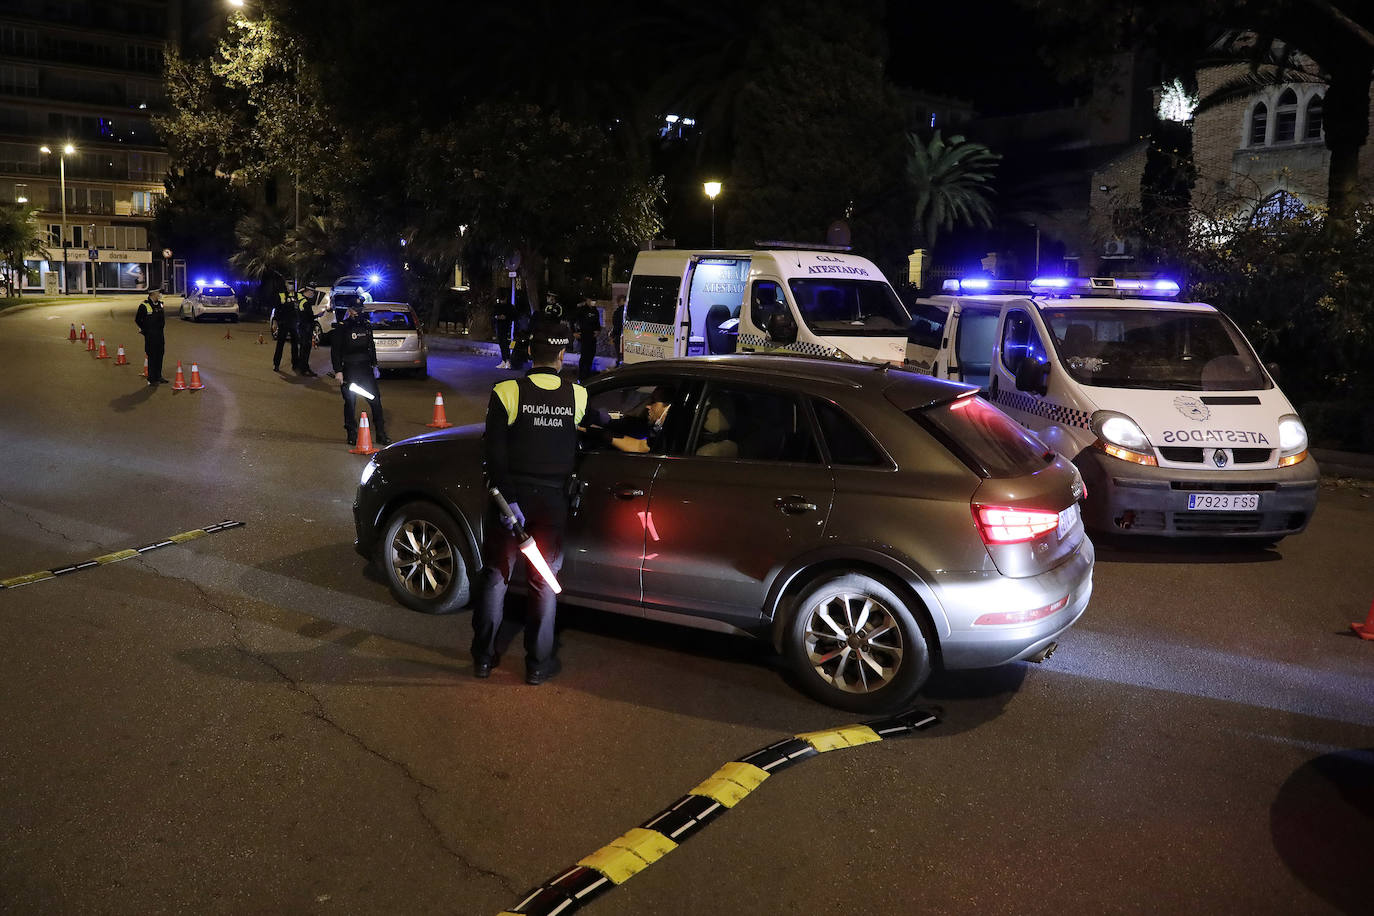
(781, 327)
(1033, 376)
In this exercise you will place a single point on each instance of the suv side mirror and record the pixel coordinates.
(781, 327)
(1033, 376)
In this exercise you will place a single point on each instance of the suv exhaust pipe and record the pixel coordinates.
(1043, 653)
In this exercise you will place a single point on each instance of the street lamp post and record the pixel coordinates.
(712, 189)
(66, 150)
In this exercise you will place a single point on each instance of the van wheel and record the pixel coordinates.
(856, 645)
(420, 556)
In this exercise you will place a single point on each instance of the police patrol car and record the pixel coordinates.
(1175, 424)
(812, 301)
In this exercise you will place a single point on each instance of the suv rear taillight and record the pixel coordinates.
(1001, 525)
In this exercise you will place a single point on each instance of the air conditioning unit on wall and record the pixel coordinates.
(1114, 248)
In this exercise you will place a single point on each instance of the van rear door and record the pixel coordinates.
(651, 307)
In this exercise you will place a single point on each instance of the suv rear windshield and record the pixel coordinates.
(991, 443)
(389, 320)
(217, 291)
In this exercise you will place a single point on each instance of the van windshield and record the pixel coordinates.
(835, 307)
(1154, 348)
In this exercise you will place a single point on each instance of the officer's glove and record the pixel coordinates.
(510, 522)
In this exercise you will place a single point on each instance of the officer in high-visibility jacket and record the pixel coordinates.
(530, 452)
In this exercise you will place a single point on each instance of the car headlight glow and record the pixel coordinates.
(1292, 440)
(368, 472)
(1120, 436)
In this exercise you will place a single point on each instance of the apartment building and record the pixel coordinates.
(80, 79)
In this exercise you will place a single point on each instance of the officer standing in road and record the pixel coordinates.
(618, 330)
(354, 356)
(152, 323)
(286, 330)
(502, 317)
(588, 329)
(305, 330)
(530, 450)
(552, 310)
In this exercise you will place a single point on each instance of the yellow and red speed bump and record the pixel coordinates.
(1365, 630)
(627, 855)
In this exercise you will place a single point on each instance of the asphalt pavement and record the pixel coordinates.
(246, 722)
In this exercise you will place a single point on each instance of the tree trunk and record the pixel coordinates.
(1346, 124)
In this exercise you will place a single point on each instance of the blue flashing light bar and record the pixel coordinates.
(1066, 286)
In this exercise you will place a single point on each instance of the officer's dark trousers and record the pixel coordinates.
(503, 339)
(154, 346)
(546, 515)
(361, 375)
(283, 333)
(305, 340)
(586, 359)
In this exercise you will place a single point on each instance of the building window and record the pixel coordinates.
(1278, 207)
(1259, 124)
(1312, 126)
(1286, 117)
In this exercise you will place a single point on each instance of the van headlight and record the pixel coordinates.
(1292, 440)
(368, 471)
(1121, 437)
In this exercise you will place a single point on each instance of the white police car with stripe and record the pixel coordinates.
(1176, 426)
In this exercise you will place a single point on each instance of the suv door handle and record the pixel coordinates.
(794, 505)
(628, 493)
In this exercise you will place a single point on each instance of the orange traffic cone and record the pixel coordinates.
(102, 354)
(83, 330)
(90, 344)
(1366, 629)
(120, 358)
(179, 383)
(145, 367)
(440, 421)
(364, 446)
(195, 377)
(72, 334)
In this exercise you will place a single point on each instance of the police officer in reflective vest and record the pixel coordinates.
(354, 354)
(152, 321)
(530, 450)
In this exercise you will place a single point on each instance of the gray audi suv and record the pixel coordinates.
(871, 523)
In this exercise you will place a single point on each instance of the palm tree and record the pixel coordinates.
(20, 237)
(951, 182)
(264, 253)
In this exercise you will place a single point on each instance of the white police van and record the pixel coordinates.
(1175, 424)
(812, 301)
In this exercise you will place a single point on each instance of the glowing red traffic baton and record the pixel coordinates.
(527, 545)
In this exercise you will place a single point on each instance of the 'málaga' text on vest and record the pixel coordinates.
(543, 438)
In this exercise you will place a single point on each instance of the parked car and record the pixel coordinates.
(400, 343)
(870, 522)
(210, 300)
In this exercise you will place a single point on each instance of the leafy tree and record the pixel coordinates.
(20, 238)
(951, 183)
(197, 216)
(818, 130)
(264, 253)
(1338, 36)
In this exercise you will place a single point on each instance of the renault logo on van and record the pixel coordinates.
(1219, 457)
(1192, 408)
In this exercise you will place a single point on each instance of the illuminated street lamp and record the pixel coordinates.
(67, 150)
(712, 189)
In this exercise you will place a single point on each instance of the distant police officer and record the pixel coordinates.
(286, 330)
(152, 323)
(305, 316)
(354, 355)
(530, 449)
(588, 329)
(552, 310)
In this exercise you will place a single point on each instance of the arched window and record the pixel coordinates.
(1286, 117)
(1259, 124)
(1312, 125)
(1277, 207)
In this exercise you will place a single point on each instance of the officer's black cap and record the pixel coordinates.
(551, 334)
